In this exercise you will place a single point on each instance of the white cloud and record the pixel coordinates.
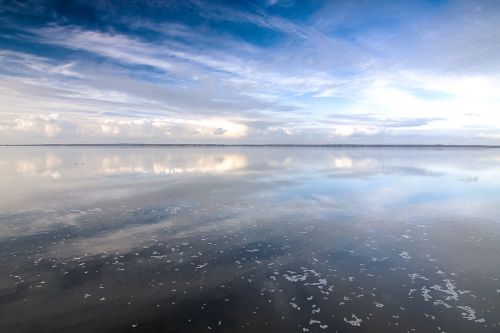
(172, 128)
(46, 125)
(435, 78)
(173, 58)
(349, 130)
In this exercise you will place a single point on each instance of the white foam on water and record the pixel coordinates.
(355, 320)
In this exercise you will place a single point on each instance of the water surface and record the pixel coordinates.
(249, 239)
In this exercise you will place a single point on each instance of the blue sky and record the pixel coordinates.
(250, 71)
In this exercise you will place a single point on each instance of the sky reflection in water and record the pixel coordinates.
(249, 239)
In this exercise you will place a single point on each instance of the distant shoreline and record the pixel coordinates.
(201, 145)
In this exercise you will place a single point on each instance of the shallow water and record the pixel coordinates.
(249, 239)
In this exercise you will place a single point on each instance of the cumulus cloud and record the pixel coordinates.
(171, 128)
(46, 125)
(349, 130)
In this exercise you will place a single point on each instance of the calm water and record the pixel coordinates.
(249, 240)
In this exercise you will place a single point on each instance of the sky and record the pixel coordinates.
(260, 72)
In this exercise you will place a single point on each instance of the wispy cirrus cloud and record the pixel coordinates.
(217, 72)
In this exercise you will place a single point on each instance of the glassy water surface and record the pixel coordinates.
(249, 240)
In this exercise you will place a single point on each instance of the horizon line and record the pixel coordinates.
(337, 145)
